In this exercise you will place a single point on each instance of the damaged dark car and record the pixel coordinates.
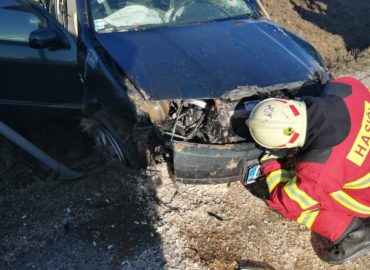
(179, 78)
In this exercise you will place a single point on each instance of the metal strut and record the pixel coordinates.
(15, 137)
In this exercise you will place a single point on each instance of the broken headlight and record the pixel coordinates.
(157, 110)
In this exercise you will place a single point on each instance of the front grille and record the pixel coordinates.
(307, 90)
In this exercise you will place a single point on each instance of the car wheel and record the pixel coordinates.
(114, 137)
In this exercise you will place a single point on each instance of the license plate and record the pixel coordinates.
(253, 173)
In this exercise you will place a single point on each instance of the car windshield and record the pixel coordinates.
(121, 15)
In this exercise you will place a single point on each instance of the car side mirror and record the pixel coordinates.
(45, 38)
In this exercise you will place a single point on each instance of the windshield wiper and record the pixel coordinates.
(140, 27)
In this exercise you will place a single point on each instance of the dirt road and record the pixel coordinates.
(116, 218)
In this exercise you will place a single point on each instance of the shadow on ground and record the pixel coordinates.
(104, 221)
(347, 18)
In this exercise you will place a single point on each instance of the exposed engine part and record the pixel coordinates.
(199, 103)
(207, 121)
(187, 117)
(220, 121)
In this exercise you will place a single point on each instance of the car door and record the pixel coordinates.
(41, 75)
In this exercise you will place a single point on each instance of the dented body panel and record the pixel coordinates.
(206, 60)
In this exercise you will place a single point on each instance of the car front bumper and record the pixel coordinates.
(206, 163)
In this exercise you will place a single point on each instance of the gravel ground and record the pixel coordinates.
(117, 218)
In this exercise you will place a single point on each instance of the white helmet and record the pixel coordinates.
(278, 123)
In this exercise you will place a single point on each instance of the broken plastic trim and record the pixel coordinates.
(247, 91)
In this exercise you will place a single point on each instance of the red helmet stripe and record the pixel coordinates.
(294, 110)
(282, 100)
(294, 138)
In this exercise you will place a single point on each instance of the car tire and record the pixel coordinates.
(115, 138)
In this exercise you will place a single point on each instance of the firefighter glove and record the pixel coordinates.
(268, 157)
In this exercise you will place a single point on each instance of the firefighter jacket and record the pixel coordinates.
(330, 182)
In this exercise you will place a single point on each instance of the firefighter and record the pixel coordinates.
(328, 186)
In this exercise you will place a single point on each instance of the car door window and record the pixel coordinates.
(17, 22)
(36, 76)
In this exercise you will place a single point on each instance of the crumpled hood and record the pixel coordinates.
(208, 59)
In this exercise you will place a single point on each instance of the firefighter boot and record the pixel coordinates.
(352, 246)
